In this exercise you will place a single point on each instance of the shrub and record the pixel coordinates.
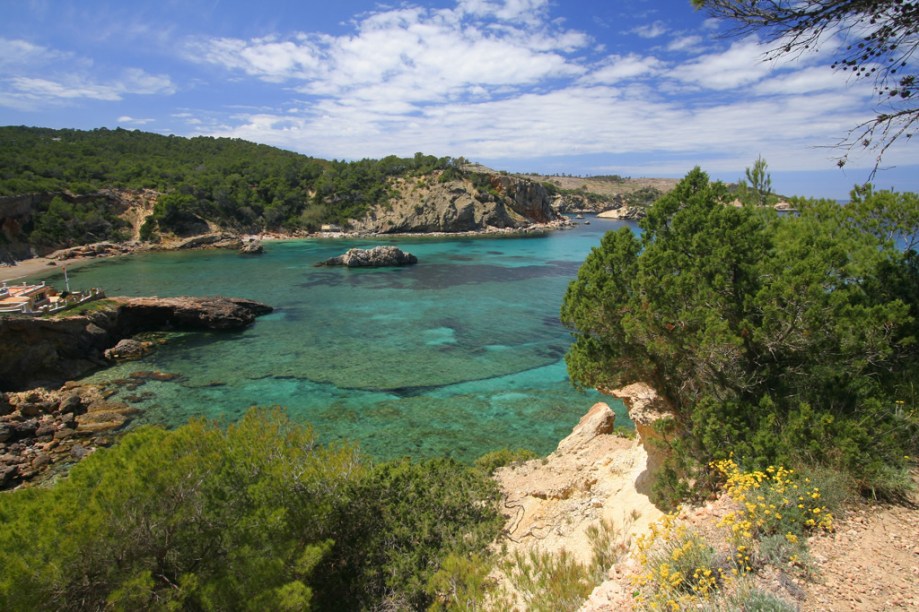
(678, 566)
(549, 582)
(206, 518)
(489, 462)
(784, 340)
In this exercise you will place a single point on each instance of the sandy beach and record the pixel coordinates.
(38, 265)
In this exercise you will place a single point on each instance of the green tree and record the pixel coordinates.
(759, 180)
(775, 338)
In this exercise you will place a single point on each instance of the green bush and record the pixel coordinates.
(781, 339)
(490, 462)
(257, 516)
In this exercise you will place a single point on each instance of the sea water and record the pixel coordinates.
(458, 355)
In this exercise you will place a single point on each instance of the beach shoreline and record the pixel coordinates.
(27, 268)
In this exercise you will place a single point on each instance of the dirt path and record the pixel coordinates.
(871, 562)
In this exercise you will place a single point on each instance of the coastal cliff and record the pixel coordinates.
(50, 351)
(478, 201)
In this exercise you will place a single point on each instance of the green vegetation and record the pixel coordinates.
(257, 516)
(83, 221)
(489, 462)
(756, 188)
(85, 308)
(783, 340)
(231, 182)
(775, 509)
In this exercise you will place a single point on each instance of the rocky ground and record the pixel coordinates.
(42, 430)
(43, 426)
(869, 562)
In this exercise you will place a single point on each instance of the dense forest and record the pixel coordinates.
(235, 183)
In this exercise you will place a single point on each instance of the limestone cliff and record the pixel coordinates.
(478, 201)
(594, 475)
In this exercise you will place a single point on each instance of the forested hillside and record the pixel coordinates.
(230, 182)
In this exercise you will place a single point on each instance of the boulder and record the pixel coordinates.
(599, 420)
(128, 349)
(251, 247)
(378, 256)
(70, 403)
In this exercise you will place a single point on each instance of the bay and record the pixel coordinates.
(456, 356)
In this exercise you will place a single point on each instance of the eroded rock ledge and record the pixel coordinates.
(49, 351)
(593, 475)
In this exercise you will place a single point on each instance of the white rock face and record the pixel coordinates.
(429, 206)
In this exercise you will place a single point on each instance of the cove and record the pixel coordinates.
(456, 356)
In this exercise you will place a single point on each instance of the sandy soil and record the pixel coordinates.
(29, 267)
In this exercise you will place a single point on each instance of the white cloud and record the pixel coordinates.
(134, 81)
(412, 54)
(617, 68)
(685, 43)
(134, 121)
(17, 54)
(529, 11)
(652, 30)
(267, 58)
(741, 65)
(45, 88)
(807, 80)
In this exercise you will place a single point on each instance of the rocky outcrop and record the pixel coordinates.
(45, 428)
(591, 477)
(377, 257)
(214, 240)
(480, 202)
(251, 246)
(595, 475)
(98, 249)
(587, 203)
(625, 213)
(646, 408)
(48, 351)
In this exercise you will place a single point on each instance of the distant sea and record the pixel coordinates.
(456, 356)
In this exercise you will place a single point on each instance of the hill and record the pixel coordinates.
(63, 188)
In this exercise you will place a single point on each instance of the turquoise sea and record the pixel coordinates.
(456, 356)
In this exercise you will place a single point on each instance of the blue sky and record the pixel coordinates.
(631, 87)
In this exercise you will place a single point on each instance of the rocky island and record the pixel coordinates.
(377, 257)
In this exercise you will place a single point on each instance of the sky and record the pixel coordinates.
(636, 88)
